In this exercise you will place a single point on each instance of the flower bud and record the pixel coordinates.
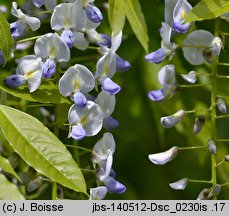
(212, 146)
(35, 184)
(203, 194)
(170, 121)
(221, 105)
(179, 185)
(98, 193)
(121, 64)
(226, 157)
(157, 57)
(164, 157)
(110, 87)
(190, 77)
(68, 37)
(80, 100)
(216, 46)
(114, 186)
(200, 121)
(214, 192)
(2, 58)
(14, 81)
(94, 14)
(60, 193)
(49, 68)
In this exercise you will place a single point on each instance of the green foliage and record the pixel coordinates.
(47, 93)
(137, 21)
(40, 148)
(208, 9)
(6, 40)
(8, 190)
(6, 166)
(131, 9)
(116, 15)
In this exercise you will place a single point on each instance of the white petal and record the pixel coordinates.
(179, 185)
(166, 32)
(181, 10)
(51, 45)
(31, 68)
(194, 55)
(33, 22)
(81, 42)
(76, 78)
(191, 77)
(116, 41)
(166, 76)
(90, 117)
(164, 157)
(106, 102)
(169, 8)
(100, 150)
(106, 66)
(98, 193)
(16, 12)
(68, 15)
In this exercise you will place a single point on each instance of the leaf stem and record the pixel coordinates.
(79, 147)
(29, 39)
(192, 147)
(54, 191)
(221, 162)
(192, 86)
(200, 181)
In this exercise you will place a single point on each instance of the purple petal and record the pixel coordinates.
(77, 132)
(17, 29)
(181, 28)
(49, 68)
(68, 37)
(94, 14)
(80, 100)
(110, 123)
(157, 95)
(121, 64)
(110, 87)
(14, 81)
(106, 40)
(156, 57)
(114, 186)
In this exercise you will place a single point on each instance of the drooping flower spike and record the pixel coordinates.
(77, 81)
(28, 70)
(18, 28)
(67, 18)
(85, 121)
(51, 48)
(167, 48)
(49, 4)
(200, 46)
(166, 77)
(107, 103)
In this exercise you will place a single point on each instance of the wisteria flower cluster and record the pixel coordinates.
(74, 24)
(198, 46)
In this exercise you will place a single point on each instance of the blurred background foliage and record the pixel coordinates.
(140, 132)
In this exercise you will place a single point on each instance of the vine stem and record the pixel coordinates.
(213, 113)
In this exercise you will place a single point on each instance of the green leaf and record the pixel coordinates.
(6, 166)
(40, 148)
(116, 15)
(47, 93)
(137, 21)
(208, 9)
(6, 40)
(9, 191)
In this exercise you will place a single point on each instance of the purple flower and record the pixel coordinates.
(80, 100)
(94, 14)
(77, 132)
(157, 57)
(68, 37)
(121, 64)
(110, 87)
(114, 186)
(49, 68)
(14, 81)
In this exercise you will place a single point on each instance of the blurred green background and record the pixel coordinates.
(140, 132)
